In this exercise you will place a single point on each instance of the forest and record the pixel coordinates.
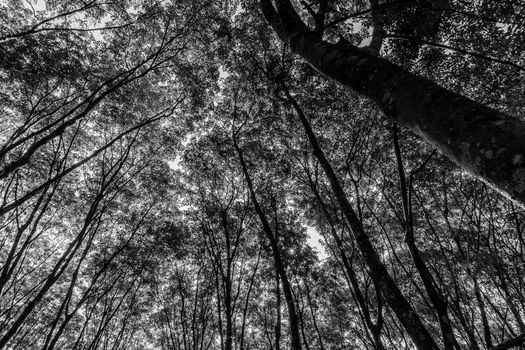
(262, 174)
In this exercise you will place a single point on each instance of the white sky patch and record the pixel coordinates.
(223, 75)
(97, 34)
(175, 164)
(40, 5)
(314, 241)
(134, 9)
(78, 18)
(37, 5)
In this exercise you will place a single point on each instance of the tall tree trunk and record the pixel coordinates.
(247, 301)
(278, 312)
(438, 301)
(396, 300)
(229, 316)
(314, 318)
(487, 143)
(293, 319)
(375, 329)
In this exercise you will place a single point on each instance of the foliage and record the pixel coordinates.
(140, 139)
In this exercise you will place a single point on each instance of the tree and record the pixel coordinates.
(487, 143)
(167, 169)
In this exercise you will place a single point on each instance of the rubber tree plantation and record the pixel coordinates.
(262, 174)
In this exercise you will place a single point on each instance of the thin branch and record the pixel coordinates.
(35, 28)
(364, 12)
(452, 48)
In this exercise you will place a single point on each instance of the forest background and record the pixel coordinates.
(167, 168)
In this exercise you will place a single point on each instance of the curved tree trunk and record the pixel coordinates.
(487, 143)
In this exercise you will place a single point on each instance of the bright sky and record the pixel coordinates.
(174, 164)
(38, 5)
(314, 241)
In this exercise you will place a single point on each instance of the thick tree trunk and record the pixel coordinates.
(487, 143)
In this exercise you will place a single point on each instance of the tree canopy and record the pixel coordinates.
(257, 174)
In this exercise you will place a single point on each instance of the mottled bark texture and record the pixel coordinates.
(487, 143)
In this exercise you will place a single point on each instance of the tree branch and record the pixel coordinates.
(510, 343)
(448, 47)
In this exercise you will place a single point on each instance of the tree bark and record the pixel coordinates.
(487, 143)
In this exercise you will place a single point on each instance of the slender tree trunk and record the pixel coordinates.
(438, 301)
(229, 317)
(484, 320)
(246, 303)
(277, 328)
(287, 288)
(375, 329)
(314, 318)
(396, 300)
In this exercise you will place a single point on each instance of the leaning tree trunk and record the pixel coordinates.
(487, 143)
